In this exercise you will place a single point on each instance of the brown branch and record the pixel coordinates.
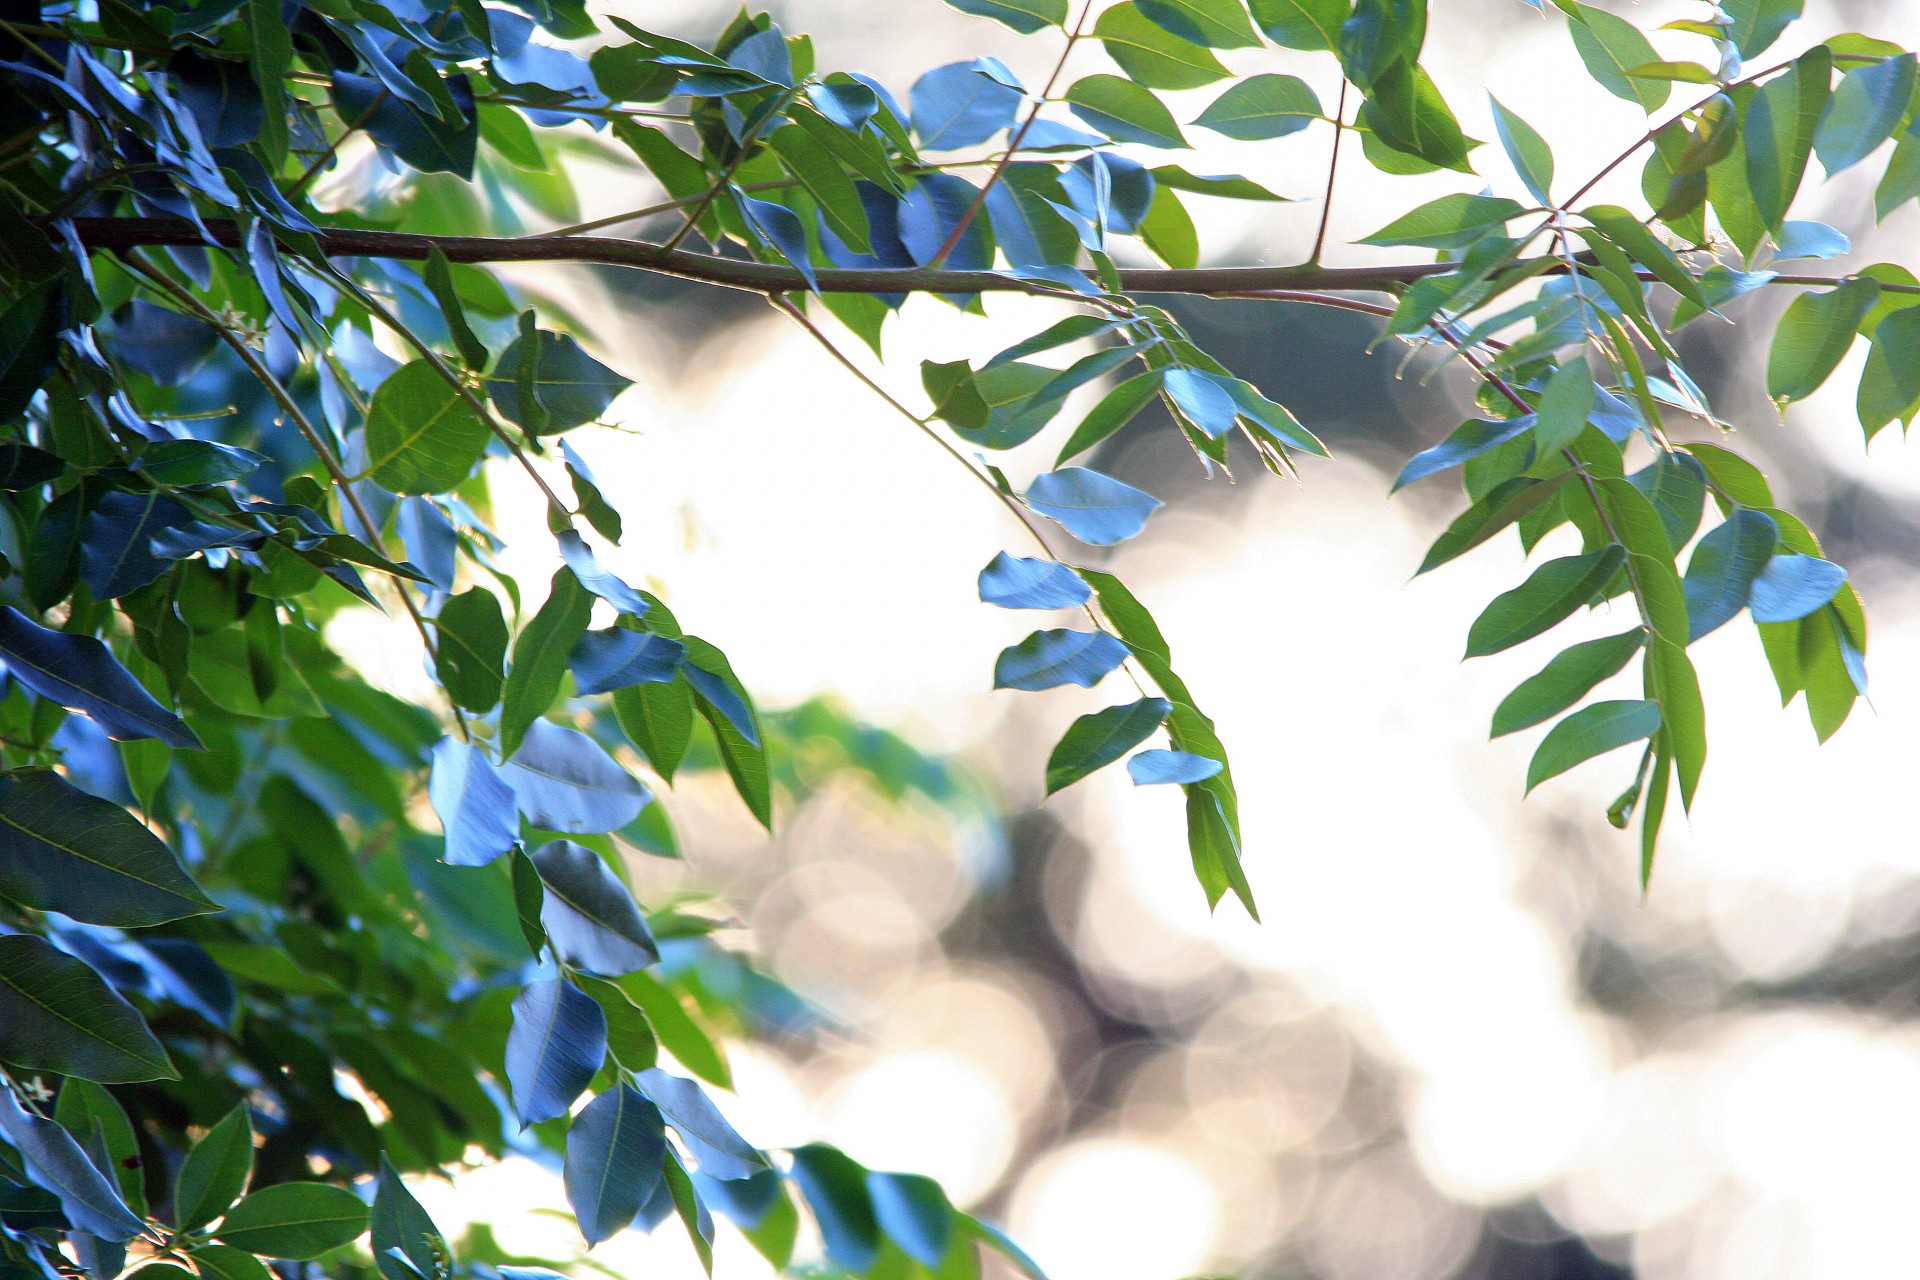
(767, 278)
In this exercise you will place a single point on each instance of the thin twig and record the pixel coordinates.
(315, 441)
(727, 171)
(1333, 171)
(1013, 145)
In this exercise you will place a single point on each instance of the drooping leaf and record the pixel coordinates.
(215, 1172)
(298, 1220)
(836, 1191)
(679, 1034)
(540, 658)
(1866, 108)
(1508, 502)
(1813, 337)
(57, 1014)
(658, 719)
(589, 916)
(1545, 599)
(914, 1213)
(615, 1150)
(558, 1041)
(472, 638)
(64, 850)
(722, 1152)
(1448, 222)
(422, 435)
(1778, 131)
(1591, 731)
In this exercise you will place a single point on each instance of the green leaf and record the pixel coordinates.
(1406, 112)
(1528, 152)
(56, 1014)
(629, 1039)
(422, 435)
(1890, 384)
(1024, 16)
(1548, 596)
(540, 658)
(1565, 405)
(1095, 741)
(1564, 681)
(1450, 222)
(64, 850)
(678, 1034)
(270, 59)
(1302, 24)
(820, 172)
(215, 1172)
(1671, 680)
(741, 749)
(657, 718)
(1168, 230)
(298, 1220)
(1508, 502)
(1115, 410)
(615, 1150)
(1611, 47)
(1124, 111)
(1215, 848)
(1901, 182)
(401, 1227)
(1632, 236)
(1813, 337)
(1757, 24)
(1589, 732)
(1732, 475)
(1778, 134)
(87, 1108)
(1218, 24)
(1150, 54)
(224, 1262)
(472, 638)
(548, 384)
(439, 279)
(1262, 106)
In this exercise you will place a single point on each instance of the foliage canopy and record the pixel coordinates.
(233, 873)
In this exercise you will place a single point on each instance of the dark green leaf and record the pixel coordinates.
(406, 1244)
(80, 673)
(1564, 681)
(439, 280)
(1778, 132)
(658, 719)
(913, 1211)
(1720, 575)
(472, 637)
(299, 1220)
(215, 1172)
(64, 850)
(836, 1190)
(1507, 503)
(569, 388)
(678, 1033)
(590, 917)
(54, 1162)
(56, 1014)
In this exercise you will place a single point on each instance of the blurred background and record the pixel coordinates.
(1462, 1043)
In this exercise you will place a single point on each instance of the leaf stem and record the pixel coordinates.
(1333, 171)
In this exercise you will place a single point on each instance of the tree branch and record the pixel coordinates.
(767, 278)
